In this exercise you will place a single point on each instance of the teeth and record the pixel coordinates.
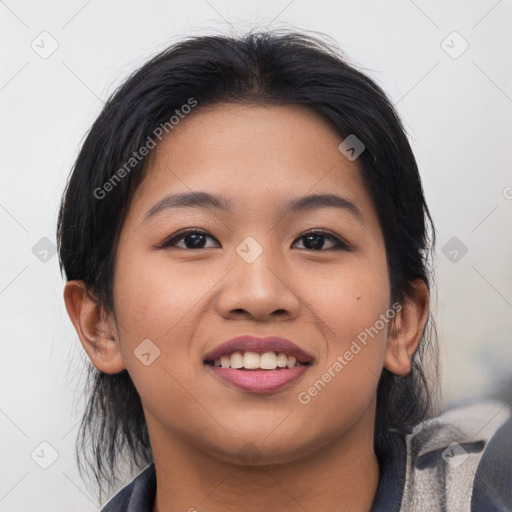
(252, 361)
(291, 361)
(236, 360)
(268, 361)
(282, 360)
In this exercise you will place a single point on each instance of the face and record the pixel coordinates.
(253, 269)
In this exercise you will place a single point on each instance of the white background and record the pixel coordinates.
(457, 112)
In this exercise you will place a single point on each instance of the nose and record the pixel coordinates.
(261, 290)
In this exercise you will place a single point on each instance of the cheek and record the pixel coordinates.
(154, 294)
(160, 302)
(344, 384)
(353, 298)
(350, 309)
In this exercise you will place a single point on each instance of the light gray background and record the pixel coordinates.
(456, 110)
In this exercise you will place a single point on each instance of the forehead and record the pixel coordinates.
(259, 155)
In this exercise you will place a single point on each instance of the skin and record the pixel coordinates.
(317, 456)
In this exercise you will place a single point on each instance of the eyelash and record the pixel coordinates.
(339, 244)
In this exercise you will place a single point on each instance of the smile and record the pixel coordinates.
(258, 365)
(257, 373)
(253, 361)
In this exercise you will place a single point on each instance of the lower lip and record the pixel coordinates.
(258, 381)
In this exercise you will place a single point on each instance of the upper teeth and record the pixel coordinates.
(252, 360)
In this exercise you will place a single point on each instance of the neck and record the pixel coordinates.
(341, 476)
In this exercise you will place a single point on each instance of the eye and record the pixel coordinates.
(314, 241)
(192, 238)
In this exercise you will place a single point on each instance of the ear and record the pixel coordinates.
(92, 325)
(407, 330)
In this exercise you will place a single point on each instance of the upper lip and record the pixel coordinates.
(260, 346)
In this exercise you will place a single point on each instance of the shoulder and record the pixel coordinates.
(461, 461)
(492, 490)
(136, 496)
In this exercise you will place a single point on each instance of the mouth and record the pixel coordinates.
(248, 361)
(259, 365)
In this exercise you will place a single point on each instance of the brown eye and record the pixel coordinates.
(315, 241)
(192, 239)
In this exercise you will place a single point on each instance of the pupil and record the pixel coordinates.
(196, 240)
(319, 241)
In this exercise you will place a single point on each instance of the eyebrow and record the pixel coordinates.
(206, 200)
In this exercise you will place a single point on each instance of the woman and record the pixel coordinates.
(247, 248)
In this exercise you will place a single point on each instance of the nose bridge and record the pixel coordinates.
(257, 266)
(258, 284)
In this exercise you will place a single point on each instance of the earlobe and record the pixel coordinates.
(91, 323)
(407, 330)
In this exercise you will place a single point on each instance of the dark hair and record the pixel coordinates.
(262, 68)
